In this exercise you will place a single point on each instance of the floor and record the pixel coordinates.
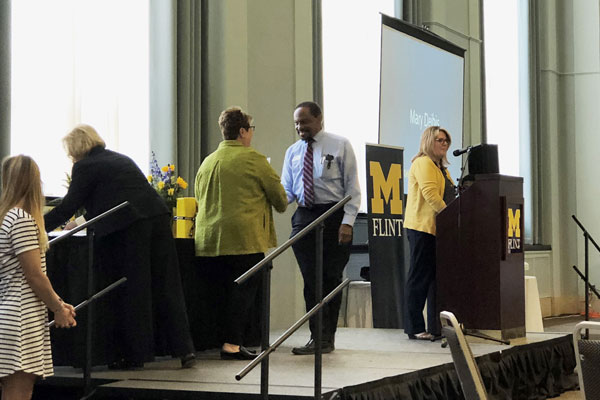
(361, 355)
(565, 324)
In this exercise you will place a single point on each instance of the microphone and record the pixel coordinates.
(467, 149)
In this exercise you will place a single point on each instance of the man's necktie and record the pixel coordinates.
(307, 175)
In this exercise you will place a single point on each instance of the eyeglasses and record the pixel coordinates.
(252, 127)
(442, 141)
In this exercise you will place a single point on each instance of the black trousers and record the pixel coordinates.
(420, 284)
(149, 315)
(335, 258)
(235, 301)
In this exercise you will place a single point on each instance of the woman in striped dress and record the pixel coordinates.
(25, 291)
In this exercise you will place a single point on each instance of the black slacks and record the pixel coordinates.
(235, 301)
(335, 258)
(420, 284)
(151, 317)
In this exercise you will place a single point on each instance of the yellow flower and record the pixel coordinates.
(165, 168)
(150, 178)
(183, 184)
(171, 191)
(161, 185)
(172, 167)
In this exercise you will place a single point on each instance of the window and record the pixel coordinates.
(79, 61)
(351, 47)
(507, 91)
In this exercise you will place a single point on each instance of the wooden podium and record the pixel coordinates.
(480, 274)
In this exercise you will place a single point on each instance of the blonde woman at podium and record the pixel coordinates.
(430, 188)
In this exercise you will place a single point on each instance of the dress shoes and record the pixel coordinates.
(123, 364)
(188, 361)
(310, 348)
(420, 336)
(243, 354)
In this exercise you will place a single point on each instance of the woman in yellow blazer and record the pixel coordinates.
(430, 188)
(236, 188)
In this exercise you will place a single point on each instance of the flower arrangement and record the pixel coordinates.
(166, 183)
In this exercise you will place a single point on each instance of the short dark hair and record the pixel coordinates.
(232, 120)
(314, 108)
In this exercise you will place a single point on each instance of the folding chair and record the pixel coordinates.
(466, 367)
(587, 354)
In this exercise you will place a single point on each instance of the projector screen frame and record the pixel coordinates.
(422, 34)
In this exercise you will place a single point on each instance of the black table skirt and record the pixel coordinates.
(67, 265)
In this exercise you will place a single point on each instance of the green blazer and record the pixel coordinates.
(235, 189)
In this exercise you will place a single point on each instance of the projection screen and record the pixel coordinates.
(421, 85)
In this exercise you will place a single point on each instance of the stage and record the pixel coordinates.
(367, 364)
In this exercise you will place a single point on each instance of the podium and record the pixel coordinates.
(479, 250)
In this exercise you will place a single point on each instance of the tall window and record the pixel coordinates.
(351, 55)
(507, 91)
(79, 61)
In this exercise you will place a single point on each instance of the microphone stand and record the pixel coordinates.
(477, 334)
(87, 369)
(462, 170)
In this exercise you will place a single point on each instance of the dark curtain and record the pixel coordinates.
(191, 38)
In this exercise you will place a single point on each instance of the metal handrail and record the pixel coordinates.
(585, 232)
(290, 331)
(248, 274)
(588, 238)
(263, 357)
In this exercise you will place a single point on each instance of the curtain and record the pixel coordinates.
(176, 35)
(536, 137)
(5, 87)
(190, 37)
(317, 41)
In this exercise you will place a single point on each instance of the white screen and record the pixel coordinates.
(421, 85)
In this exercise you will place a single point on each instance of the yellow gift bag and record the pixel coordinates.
(184, 218)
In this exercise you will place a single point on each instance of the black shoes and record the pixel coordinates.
(309, 348)
(188, 361)
(243, 354)
(123, 364)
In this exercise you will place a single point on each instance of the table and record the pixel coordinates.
(67, 268)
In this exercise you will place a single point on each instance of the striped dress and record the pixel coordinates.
(24, 337)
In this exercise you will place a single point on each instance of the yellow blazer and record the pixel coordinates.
(425, 195)
(236, 189)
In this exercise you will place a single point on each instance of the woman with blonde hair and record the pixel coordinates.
(25, 291)
(430, 188)
(135, 242)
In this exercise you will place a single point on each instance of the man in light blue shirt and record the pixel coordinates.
(334, 176)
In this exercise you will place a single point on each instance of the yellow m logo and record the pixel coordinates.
(514, 223)
(389, 187)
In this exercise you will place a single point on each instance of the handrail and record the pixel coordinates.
(248, 274)
(290, 331)
(585, 232)
(87, 368)
(87, 223)
(263, 358)
(585, 276)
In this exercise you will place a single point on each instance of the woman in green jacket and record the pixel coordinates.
(236, 188)
(430, 188)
